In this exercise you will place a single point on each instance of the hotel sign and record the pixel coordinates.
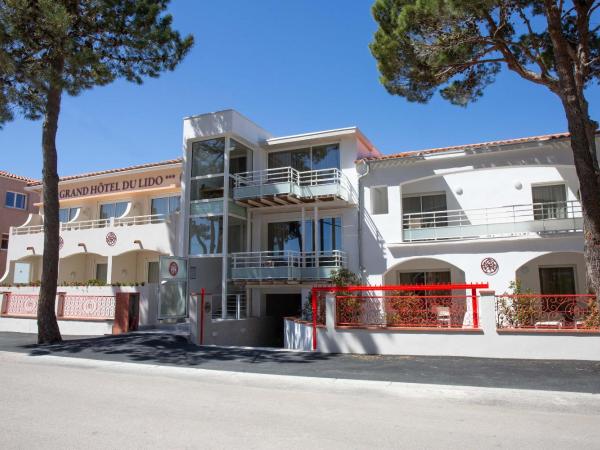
(115, 186)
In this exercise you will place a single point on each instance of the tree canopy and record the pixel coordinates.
(98, 41)
(458, 46)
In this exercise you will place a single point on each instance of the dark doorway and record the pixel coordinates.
(280, 306)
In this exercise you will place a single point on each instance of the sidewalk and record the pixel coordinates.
(170, 350)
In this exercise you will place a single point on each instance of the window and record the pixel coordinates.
(165, 205)
(549, 202)
(109, 210)
(206, 235)
(101, 272)
(67, 214)
(153, 272)
(426, 277)
(424, 211)
(4, 243)
(208, 157)
(240, 157)
(15, 200)
(287, 236)
(313, 158)
(379, 200)
(207, 188)
(557, 280)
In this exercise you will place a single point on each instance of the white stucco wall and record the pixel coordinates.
(487, 343)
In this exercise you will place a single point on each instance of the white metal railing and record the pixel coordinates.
(236, 307)
(459, 223)
(95, 223)
(287, 259)
(308, 178)
(141, 220)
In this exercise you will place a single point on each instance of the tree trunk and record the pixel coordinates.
(48, 331)
(583, 144)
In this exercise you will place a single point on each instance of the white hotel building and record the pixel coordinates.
(264, 218)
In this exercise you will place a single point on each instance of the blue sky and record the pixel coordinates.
(292, 67)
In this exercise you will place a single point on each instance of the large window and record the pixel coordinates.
(557, 280)
(287, 236)
(153, 272)
(208, 157)
(67, 214)
(312, 158)
(424, 211)
(206, 235)
(165, 205)
(549, 202)
(108, 210)
(240, 157)
(15, 200)
(426, 277)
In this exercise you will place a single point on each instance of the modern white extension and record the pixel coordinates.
(264, 219)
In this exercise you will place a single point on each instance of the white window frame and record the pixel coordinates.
(14, 205)
(129, 204)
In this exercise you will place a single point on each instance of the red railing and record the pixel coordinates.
(405, 311)
(547, 312)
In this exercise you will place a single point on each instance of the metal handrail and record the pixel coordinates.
(501, 214)
(141, 220)
(288, 258)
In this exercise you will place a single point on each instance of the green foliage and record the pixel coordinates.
(79, 44)
(521, 311)
(458, 46)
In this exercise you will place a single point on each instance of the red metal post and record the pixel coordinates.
(314, 318)
(475, 305)
(202, 293)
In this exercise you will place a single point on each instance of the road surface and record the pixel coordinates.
(60, 402)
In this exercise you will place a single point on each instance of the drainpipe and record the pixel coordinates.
(362, 168)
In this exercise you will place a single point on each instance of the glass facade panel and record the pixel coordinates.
(315, 158)
(208, 157)
(237, 235)
(240, 157)
(330, 234)
(326, 157)
(207, 188)
(206, 235)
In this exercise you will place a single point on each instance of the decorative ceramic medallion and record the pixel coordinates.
(173, 268)
(489, 266)
(111, 239)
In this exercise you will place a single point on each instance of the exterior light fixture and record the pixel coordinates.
(518, 185)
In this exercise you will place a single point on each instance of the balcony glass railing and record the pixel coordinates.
(493, 222)
(283, 181)
(290, 265)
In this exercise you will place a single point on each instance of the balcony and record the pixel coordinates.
(288, 266)
(101, 236)
(504, 221)
(288, 186)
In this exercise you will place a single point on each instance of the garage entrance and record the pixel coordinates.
(280, 306)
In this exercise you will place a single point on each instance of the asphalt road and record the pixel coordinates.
(55, 402)
(169, 350)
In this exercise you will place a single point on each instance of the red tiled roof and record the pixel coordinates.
(111, 171)
(525, 140)
(13, 176)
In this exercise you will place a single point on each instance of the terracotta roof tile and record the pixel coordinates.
(524, 140)
(13, 176)
(111, 171)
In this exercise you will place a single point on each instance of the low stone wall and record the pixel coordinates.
(487, 341)
(93, 320)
